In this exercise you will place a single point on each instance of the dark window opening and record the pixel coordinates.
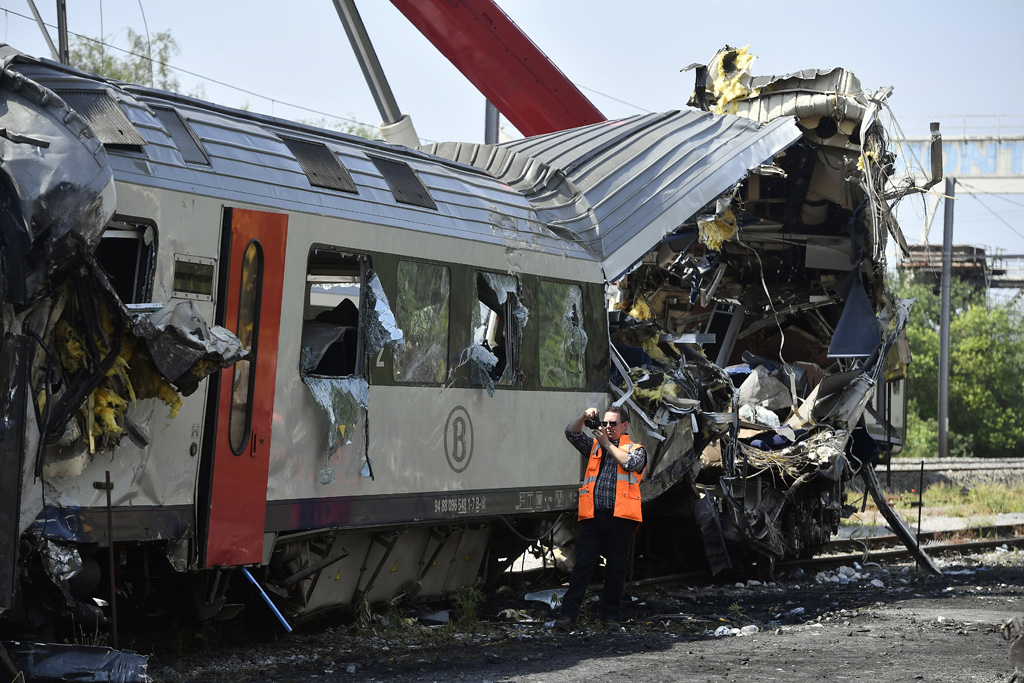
(127, 253)
(193, 277)
(331, 330)
(496, 323)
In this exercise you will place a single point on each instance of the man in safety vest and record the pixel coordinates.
(609, 510)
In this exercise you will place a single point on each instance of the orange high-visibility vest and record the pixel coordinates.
(627, 485)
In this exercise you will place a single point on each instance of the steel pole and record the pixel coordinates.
(491, 124)
(42, 28)
(947, 267)
(62, 32)
(368, 62)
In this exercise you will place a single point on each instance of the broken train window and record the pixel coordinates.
(498, 321)
(331, 336)
(563, 341)
(127, 253)
(421, 311)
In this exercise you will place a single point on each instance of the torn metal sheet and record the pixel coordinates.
(760, 322)
(184, 347)
(60, 183)
(63, 562)
(343, 400)
(621, 186)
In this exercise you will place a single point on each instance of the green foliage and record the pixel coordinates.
(142, 64)
(986, 394)
(364, 613)
(139, 62)
(956, 501)
(349, 127)
(466, 600)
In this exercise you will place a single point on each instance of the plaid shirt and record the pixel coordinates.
(604, 487)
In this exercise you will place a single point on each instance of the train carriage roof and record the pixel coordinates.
(621, 186)
(245, 157)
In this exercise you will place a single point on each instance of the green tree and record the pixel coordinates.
(986, 394)
(350, 127)
(140, 62)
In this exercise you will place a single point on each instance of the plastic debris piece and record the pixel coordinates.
(79, 663)
(552, 597)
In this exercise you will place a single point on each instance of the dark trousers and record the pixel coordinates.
(603, 535)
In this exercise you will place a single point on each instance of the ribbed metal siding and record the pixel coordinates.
(184, 138)
(104, 116)
(404, 183)
(320, 165)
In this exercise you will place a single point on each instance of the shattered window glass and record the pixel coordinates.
(331, 325)
(563, 342)
(127, 252)
(498, 321)
(248, 334)
(421, 311)
(381, 328)
(344, 401)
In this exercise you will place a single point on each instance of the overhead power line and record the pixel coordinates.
(200, 76)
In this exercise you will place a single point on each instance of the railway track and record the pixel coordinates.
(885, 548)
(955, 464)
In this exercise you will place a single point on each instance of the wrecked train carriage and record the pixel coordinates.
(755, 341)
(417, 332)
(404, 319)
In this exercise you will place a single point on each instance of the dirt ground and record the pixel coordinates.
(877, 624)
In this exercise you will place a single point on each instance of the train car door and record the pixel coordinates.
(254, 245)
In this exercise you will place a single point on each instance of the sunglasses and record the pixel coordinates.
(609, 424)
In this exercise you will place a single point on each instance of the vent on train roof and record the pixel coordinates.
(105, 117)
(183, 135)
(404, 183)
(321, 165)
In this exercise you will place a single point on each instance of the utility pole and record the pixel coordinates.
(42, 29)
(947, 267)
(62, 31)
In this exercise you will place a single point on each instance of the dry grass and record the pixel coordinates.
(953, 501)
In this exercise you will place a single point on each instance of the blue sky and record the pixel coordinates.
(951, 61)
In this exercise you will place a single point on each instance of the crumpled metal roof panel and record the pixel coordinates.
(620, 186)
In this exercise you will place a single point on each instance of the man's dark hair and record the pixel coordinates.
(620, 411)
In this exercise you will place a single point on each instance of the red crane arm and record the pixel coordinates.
(503, 63)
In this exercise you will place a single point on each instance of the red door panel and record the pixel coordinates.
(245, 401)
